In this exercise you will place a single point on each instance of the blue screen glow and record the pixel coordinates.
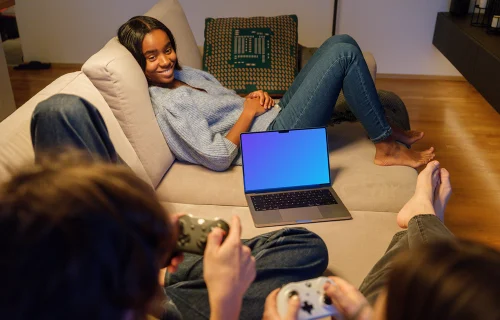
(285, 160)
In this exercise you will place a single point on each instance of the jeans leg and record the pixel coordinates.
(422, 229)
(284, 256)
(66, 121)
(338, 64)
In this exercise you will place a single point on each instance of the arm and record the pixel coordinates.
(228, 271)
(189, 136)
(251, 109)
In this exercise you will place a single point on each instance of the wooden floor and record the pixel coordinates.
(27, 83)
(457, 121)
(465, 130)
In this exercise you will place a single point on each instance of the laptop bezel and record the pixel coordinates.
(316, 186)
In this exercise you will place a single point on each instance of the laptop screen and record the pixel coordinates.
(284, 160)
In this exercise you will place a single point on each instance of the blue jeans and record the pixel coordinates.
(66, 121)
(310, 100)
(283, 256)
(422, 229)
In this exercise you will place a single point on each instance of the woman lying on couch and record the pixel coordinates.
(202, 120)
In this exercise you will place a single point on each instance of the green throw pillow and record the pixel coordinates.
(248, 54)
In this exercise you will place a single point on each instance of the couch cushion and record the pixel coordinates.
(119, 78)
(172, 15)
(354, 246)
(360, 183)
(15, 141)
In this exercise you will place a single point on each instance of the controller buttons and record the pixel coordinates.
(183, 240)
(201, 221)
(307, 307)
(327, 300)
(308, 284)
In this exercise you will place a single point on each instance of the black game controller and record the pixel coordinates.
(193, 233)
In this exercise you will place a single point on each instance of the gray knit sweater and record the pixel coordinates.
(195, 123)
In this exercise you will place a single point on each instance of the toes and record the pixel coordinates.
(436, 178)
(431, 166)
(445, 180)
(445, 175)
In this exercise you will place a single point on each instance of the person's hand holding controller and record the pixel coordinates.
(348, 300)
(228, 270)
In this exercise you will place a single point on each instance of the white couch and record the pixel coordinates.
(114, 83)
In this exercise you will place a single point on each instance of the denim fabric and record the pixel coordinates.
(283, 256)
(309, 102)
(422, 229)
(66, 121)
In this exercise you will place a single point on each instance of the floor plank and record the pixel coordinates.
(457, 121)
(27, 83)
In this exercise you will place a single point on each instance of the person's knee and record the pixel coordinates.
(318, 245)
(336, 50)
(342, 38)
(61, 106)
(321, 248)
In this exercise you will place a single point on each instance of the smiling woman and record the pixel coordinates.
(202, 120)
(160, 58)
(148, 40)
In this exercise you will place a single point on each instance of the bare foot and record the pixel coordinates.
(442, 193)
(422, 201)
(408, 137)
(391, 153)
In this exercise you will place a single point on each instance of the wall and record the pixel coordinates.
(315, 16)
(7, 104)
(70, 31)
(398, 32)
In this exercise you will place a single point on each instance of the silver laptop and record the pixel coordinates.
(287, 177)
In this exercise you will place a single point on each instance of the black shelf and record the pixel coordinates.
(475, 53)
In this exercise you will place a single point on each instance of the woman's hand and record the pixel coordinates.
(348, 300)
(253, 107)
(264, 99)
(271, 307)
(228, 270)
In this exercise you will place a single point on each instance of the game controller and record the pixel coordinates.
(313, 301)
(193, 233)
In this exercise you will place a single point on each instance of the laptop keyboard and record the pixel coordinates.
(296, 199)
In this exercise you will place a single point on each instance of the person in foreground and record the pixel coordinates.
(81, 239)
(202, 120)
(426, 272)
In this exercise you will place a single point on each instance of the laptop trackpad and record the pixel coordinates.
(307, 213)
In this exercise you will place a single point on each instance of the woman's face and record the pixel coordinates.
(160, 58)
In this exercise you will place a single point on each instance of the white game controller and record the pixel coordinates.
(314, 303)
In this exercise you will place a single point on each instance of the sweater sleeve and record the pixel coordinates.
(189, 136)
